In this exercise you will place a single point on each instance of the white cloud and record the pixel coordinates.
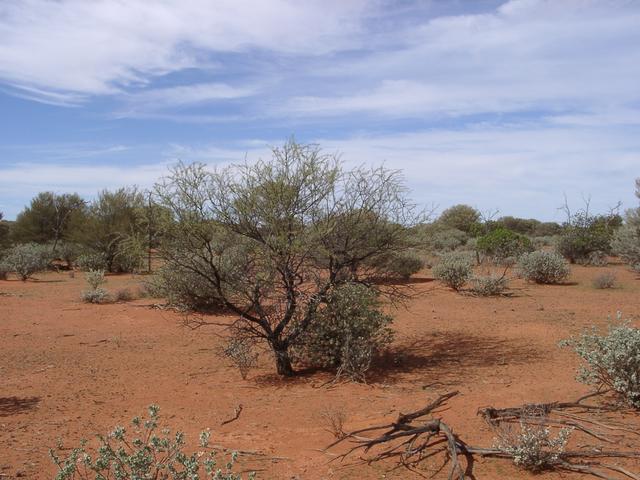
(522, 170)
(98, 47)
(528, 55)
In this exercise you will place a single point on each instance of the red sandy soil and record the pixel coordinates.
(69, 370)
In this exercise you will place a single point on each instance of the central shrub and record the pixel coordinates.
(347, 332)
(543, 267)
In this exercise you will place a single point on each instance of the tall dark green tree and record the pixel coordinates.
(112, 227)
(50, 217)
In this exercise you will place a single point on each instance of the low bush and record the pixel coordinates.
(611, 361)
(586, 238)
(543, 267)
(27, 259)
(401, 265)
(91, 261)
(533, 447)
(447, 240)
(604, 280)
(490, 285)
(626, 244)
(95, 278)
(124, 295)
(454, 270)
(503, 246)
(145, 451)
(69, 252)
(346, 332)
(183, 288)
(97, 295)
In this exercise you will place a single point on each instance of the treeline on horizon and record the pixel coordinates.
(129, 220)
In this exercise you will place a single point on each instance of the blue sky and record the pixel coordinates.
(503, 105)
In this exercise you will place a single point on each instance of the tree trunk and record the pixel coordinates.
(283, 362)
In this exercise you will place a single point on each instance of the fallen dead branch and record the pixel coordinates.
(416, 437)
(236, 415)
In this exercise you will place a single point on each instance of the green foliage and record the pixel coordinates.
(91, 261)
(401, 265)
(50, 217)
(612, 361)
(346, 333)
(527, 226)
(454, 270)
(626, 240)
(27, 259)
(503, 245)
(587, 238)
(5, 239)
(460, 217)
(543, 267)
(490, 285)
(112, 229)
(145, 452)
(269, 240)
(439, 238)
(69, 252)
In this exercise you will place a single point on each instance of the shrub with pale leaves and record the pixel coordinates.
(27, 259)
(604, 280)
(454, 270)
(543, 267)
(533, 447)
(346, 333)
(611, 361)
(490, 285)
(145, 451)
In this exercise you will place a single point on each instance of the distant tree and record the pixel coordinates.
(460, 217)
(273, 240)
(4, 233)
(113, 230)
(50, 217)
(586, 236)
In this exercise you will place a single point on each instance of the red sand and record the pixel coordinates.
(70, 369)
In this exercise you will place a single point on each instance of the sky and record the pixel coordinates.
(502, 105)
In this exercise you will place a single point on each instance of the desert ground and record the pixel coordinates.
(70, 369)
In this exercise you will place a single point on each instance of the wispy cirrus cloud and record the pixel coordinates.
(96, 48)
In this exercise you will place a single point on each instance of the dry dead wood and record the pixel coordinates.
(412, 439)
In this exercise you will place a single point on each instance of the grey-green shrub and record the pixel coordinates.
(95, 294)
(91, 261)
(490, 285)
(401, 265)
(543, 267)
(346, 333)
(533, 447)
(454, 270)
(183, 288)
(626, 244)
(604, 280)
(27, 259)
(95, 278)
(144, 451)
(611, 361)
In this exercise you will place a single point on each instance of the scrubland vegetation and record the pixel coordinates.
(309, 262)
